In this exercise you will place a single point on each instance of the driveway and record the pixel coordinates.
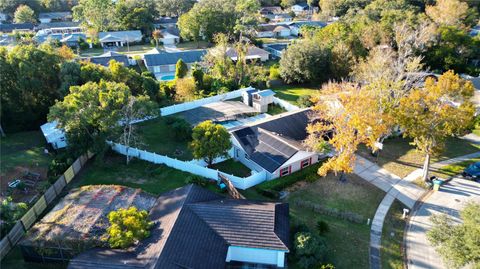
(451, 198)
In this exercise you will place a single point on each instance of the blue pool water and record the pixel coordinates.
(167, 77)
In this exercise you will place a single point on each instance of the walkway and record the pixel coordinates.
(450, 199)
(396, 188)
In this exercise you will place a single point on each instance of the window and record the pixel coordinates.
(285, 171)
(305, 163)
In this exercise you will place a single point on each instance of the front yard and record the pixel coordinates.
(392, 237)
(291, 93)
(157, 136)
(401, 158)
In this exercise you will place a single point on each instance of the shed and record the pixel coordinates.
(53, 135)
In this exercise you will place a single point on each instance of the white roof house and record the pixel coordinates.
(53, 135)
(119, 38)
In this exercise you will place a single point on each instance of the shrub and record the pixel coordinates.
(305, 101)
(322, 227)
(170, 120)
(127, 226)
(310, 250)
(311, 178)
(274, 72)
(197, 180)
(182, 130)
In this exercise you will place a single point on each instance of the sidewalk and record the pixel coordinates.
(450, 199)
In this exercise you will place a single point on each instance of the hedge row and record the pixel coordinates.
(281, 183)
(345, 215)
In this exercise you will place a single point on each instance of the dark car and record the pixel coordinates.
(472, 172)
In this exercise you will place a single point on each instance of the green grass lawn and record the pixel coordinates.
(348, 242)
(454, 169)
(193, 45)
(392, 237)
(233, 167)
(274, 109)
(401, 158)
(158, 137)
(292, 93)
(135, 49)
(152, 178)
(24, 150)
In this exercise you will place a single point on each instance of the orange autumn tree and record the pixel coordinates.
(353, 115)
(431, 114)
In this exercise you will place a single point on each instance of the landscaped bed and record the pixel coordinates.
(80, 220)
(401, 158)
(159, 137)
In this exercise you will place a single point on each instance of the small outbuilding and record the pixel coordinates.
(54, 136)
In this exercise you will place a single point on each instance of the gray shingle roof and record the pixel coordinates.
(105, 58)
(10, 27)
(167, 58)
(272, 142)
(194, 228)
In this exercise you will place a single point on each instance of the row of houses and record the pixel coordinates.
(283, 30)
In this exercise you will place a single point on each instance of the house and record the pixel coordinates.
(272, 30)
(297, 25)
(3, 17)
(303, 9)
(271, 10)
(274, 145)
(253, 53)
(7, 40)
(17, 27)
(162, 64)
(258, 99)
(69, 36)
(170, 36)
(58, 24)
(105, 58)
(166, 22)
(276, 49)
(54, 136)
(47, 17)
(119, 38)
(72, 40)
(283, 17)
(197, 228)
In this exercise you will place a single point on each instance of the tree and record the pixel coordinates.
(66, 52)
(29, 83)
(458, 244)
(96, 14)
(10, 212)
(287, 3)
(438, 111)
(138, 15)
(157, 35)
(181, 69)
(350, 119)
(128, 226)
(137, 107)
(24, 14)
(198, 74)
(174, 8)
(90, 114)
(310, 249)
(185, 89)
(305, 61)
(59, 5)
(247, 12)
(210, 141)
(190, 27)
(451, 13)
(70, 75)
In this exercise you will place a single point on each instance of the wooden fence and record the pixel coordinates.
(27, 221)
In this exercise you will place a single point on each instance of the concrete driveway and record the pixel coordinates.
(451, 198)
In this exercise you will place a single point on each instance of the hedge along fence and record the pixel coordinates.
(190, 166)
(27, 221)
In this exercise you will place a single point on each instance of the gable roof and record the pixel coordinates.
(252, 53)
(105, 58)
(274, 141)
(168, 58)
(194, 228)
(130, 36)
(10, 27)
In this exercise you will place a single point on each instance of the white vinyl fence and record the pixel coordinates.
(193, 167)
(286, 105)
(169, 110)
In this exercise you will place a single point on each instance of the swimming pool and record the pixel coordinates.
(167, 77)
(234, 123)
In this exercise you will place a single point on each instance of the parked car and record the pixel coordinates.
(472, 172)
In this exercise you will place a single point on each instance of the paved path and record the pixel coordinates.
(450, 199)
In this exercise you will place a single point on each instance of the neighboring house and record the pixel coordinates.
(273, 30)
(16, 27)
(54, 136)
(162, 64)
(72, 40)
(197, 228)
(166, 22)
(7, 40)
(69, 36)
(296, 26)
(58, 24)
(279, 17)
(170, 36)
(253, 53)
(303, 9)
(47, 17)
(119, 38)
(274, 145)
(276, 49)
(258, 99)
(270, 10)
(3, 17)
(105, 58)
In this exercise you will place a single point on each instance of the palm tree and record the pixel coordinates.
(157, 34)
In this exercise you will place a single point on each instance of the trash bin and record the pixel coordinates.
(436, 184)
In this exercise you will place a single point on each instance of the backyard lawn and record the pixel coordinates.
(233, 167)
(401, 158)
(158, 137)
(152, 178)
(392, 237)
(274, 109)
(292, 93)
